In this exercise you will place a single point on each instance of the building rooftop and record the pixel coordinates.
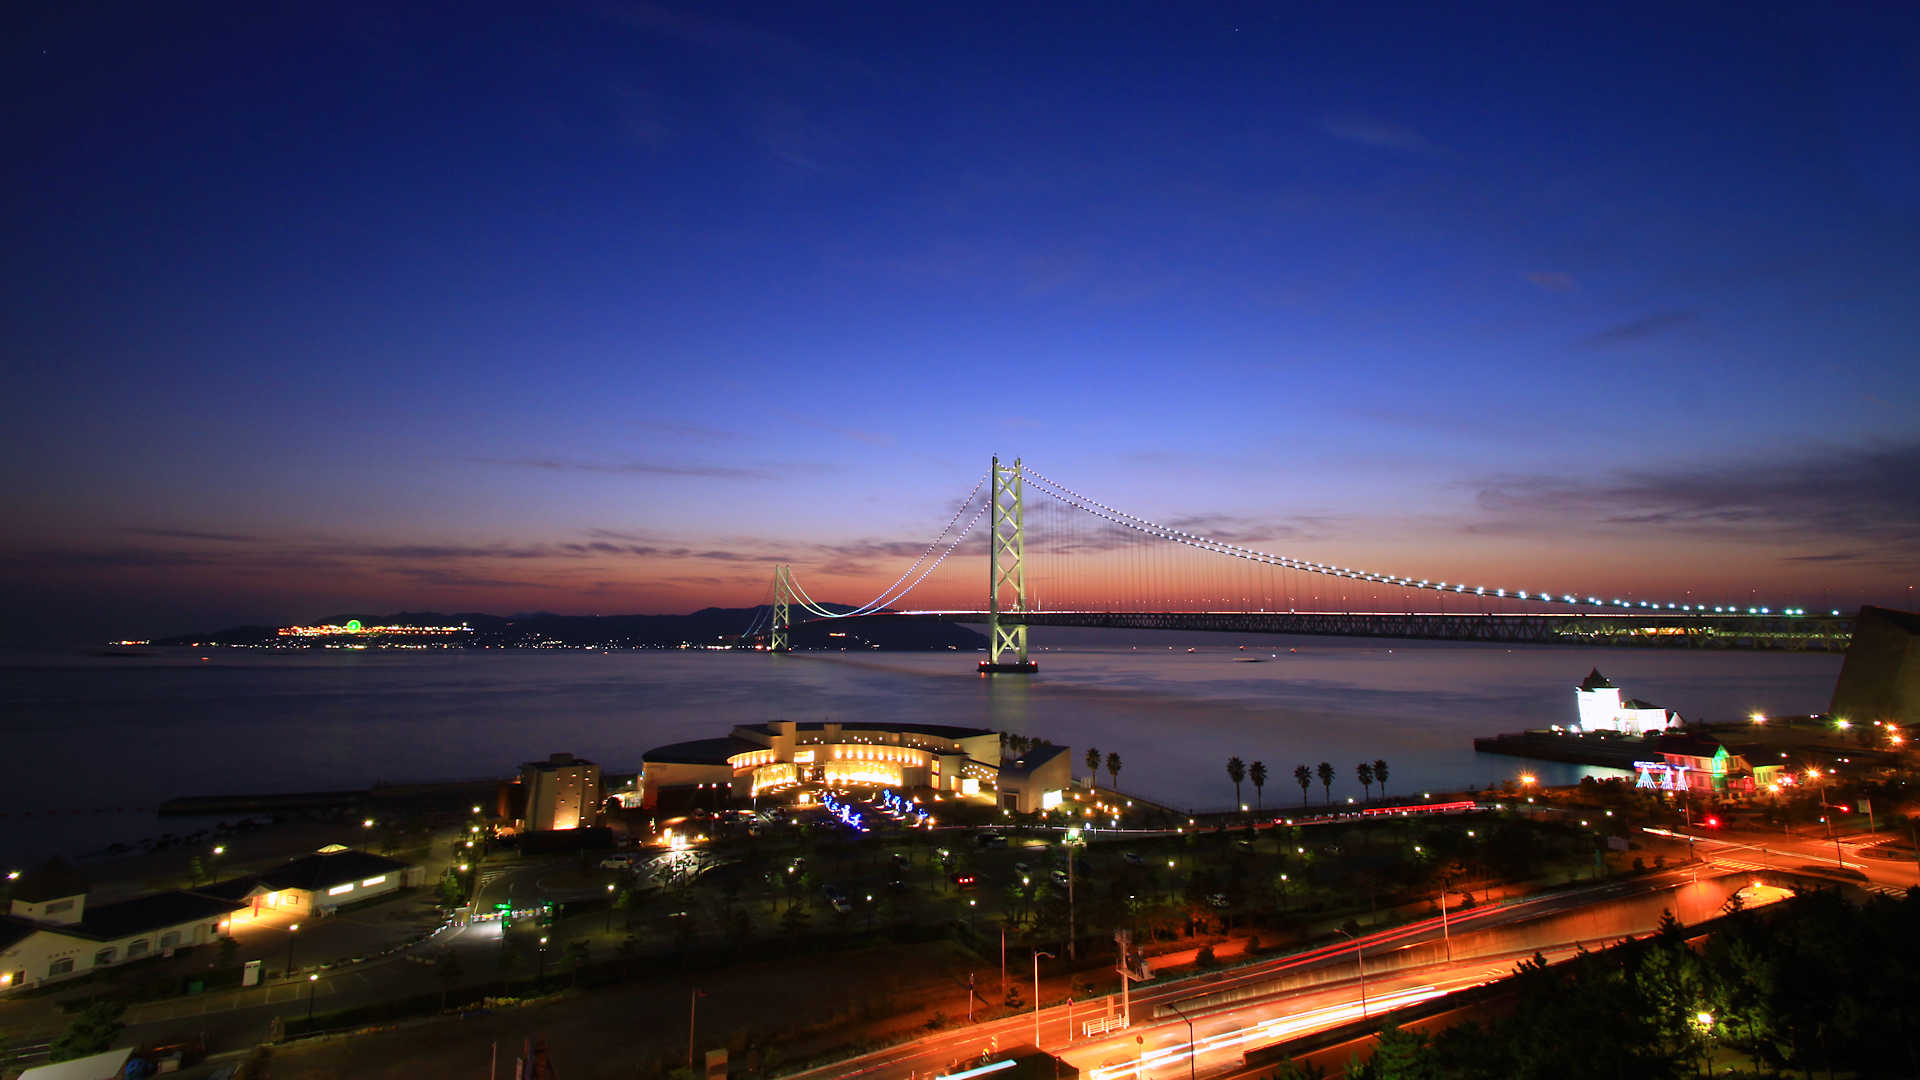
(945, 731)
(1692, 744)
(1031, 761)
(323, 871)
(557, 761)
(51, 881)
(1595, 681)
(156, 912)
(698, 752)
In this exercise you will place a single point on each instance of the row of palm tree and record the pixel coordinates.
(1368, 773)
(1093, 768)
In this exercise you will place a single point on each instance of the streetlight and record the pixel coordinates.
(1360, 962)
(1705, 1020)
(543, 958)
(313, 983)
(291, 930)
(693, 1005)
(1192, 1050)
(1037, 954)
(609, 928)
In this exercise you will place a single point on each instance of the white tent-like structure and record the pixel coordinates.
(111, 1065)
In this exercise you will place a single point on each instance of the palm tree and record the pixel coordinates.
(1304, 777)
(1326, 779)
(1364, 772)
(1093, 767)
(1380, 774)
(1113, 770)
(1259, 776)
(1236, 772)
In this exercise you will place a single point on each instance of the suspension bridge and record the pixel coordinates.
(1091, 564)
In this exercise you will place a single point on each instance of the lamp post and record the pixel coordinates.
(693, 1006)
(1360, 962)
(1705, 1020)
(543, 958)
(313, 983)
(1037, 954)
(1192, 1050)
(291, 930)
(609, 927)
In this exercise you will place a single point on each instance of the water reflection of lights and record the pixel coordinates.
(1264, 1031)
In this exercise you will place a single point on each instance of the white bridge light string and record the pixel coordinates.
(1139, 524)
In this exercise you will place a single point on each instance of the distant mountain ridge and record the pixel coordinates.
(708, 626)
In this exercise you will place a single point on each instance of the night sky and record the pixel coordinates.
(480, 307)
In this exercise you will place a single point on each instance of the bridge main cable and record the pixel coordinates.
(1166, 532)
(889, 595)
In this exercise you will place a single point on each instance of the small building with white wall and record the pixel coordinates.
(50, 934)
(1601, 708)
(316, 884)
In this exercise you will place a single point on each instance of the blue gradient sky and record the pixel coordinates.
(363, 309)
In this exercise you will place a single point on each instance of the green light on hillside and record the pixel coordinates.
(353, 624)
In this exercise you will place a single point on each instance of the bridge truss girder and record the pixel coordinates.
(1799, 633)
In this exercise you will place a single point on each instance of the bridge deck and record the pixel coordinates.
(1797, 632)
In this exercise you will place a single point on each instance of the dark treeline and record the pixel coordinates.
(1812, 985)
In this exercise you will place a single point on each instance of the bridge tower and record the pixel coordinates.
(778, 638)
(1006, 570)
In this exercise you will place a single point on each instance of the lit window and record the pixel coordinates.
(372, 881)
(338, 889)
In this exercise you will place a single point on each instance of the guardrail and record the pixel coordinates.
(1103, 1025)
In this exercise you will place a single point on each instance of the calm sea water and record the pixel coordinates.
(93, 743)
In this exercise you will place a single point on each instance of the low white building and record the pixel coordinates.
(50, 934)
(1601, 708)
(315, 884)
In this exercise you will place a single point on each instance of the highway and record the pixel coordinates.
(1310, 988)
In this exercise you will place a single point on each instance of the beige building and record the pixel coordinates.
(562, 792)
(772, 759)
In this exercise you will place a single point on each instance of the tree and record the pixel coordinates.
(1093, 767)
(93, 1031)
(1380, 774)
(1236, 772)
(1326, 779)
(1364, 773)
(1113, 770)
(1304, 777)
(1258, 774)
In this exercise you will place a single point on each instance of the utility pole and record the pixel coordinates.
(1071, 954)
(1123, 939)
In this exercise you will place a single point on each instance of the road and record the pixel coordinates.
(1283, 986)
(1754, 849)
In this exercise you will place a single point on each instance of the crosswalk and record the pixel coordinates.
(1898, 892)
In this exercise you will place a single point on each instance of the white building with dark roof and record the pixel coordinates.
(316, 884)
(1601, 708)
(50, 934)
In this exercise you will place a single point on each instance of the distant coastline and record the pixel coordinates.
(707, 628)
